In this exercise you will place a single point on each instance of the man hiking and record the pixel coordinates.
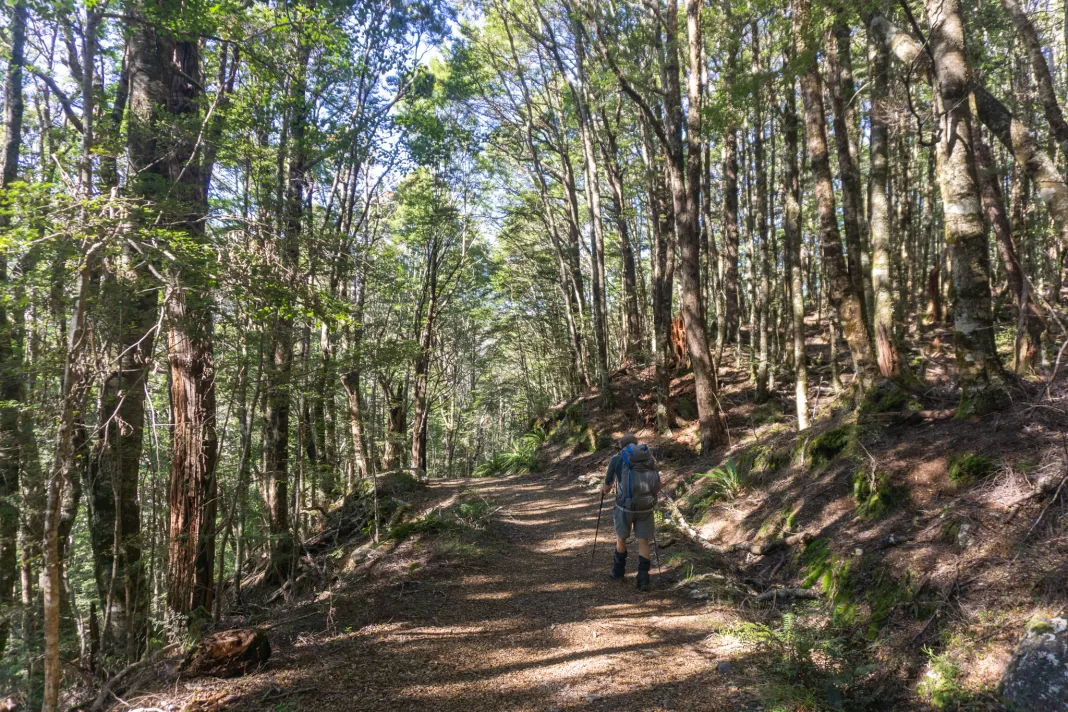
(633, 473)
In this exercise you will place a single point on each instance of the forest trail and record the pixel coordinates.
(531, 625)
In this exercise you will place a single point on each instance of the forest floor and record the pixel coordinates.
(486, 596)
(513, 617)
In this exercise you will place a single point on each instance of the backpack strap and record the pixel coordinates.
(625, 454)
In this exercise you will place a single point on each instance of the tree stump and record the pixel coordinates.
(230, 653)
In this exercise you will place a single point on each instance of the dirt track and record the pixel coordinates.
(531, 625)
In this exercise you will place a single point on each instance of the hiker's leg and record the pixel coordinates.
(643, 549)
(619, 559)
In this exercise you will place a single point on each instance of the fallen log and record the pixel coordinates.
(688, 531)
(789, 593)
(230, 653)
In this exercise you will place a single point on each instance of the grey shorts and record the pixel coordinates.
(642, 523)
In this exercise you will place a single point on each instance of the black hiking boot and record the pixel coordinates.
(643, 573)
(619, 566)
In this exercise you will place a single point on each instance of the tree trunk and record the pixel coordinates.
(662, 257)
(792, 254)
(841, 294)
(840, 86)
(632, 323)
(63, 476)
(1026, 351)
(687, 199)
(1040, 68)
(189, 310)
(280, 375)
(593, 204)
(973, 323)
(883, 316)
(729, 272)
(421, 371)
(112, 477)
(12, 391)
(1013, 133)
(759, 259)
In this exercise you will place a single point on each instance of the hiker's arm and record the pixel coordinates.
(609, 478)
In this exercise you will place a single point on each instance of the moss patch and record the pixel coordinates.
(824, 448)
(876, 494)
(766, 414)
(969, 468)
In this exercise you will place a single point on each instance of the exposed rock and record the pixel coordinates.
(1036, 679)
(230, 653)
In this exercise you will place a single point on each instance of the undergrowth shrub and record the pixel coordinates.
(400, 483)
(432, 523)
(471, 514)
(876, 494)
(860, 594)
(521, 458)
(941, 684)
(726, 482)
(812, 666)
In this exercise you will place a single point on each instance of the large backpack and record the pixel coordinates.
(638, 479)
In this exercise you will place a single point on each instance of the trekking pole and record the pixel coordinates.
(597, 529)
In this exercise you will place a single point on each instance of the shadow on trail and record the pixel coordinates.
(533, 625)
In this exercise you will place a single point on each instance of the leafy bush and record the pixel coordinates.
(521, 458)
(727, 482)
(941, 684)
(400, 482)
(811, 667)
(969, 468)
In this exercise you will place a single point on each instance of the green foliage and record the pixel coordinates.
(726, 482)
(941, 683)
(470, 514)
(521, 458)
(968, 468)
(761, 460)
(876, 494)
(685, 407)
(432, 523)
(811, 666)
(784, 520)
(820, 567)
(888, 396)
